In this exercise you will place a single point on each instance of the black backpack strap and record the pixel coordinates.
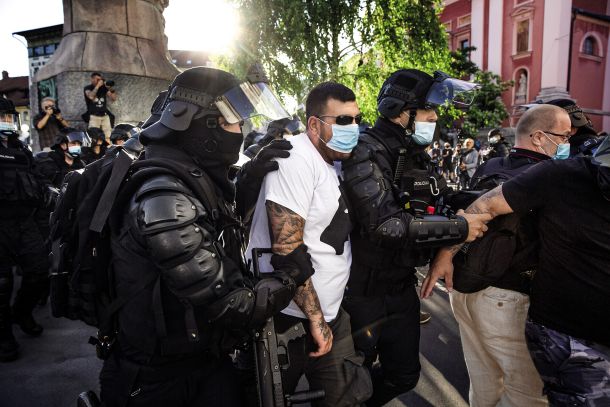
(119, 170)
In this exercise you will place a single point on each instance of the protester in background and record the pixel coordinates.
(447, 158)
(48, 122)
(469, 160)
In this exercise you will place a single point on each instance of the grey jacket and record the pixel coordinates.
(471, 160)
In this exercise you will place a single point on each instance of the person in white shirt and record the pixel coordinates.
(301, 207)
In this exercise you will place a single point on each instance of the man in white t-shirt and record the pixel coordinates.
(301, 207)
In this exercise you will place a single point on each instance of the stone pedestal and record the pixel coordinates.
(124, 40)
(555, 92)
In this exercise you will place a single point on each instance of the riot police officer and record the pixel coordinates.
(583, 138)
(178, 230)
(394, 191)
(498, 147)
(20, 241)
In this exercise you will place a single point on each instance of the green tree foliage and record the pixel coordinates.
(400, 34)
(356, 42)
(488, 109)
(300, 43)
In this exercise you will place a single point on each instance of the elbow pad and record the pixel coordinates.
(273, 294)
(390, 233)
(297, 264)
(437, 231)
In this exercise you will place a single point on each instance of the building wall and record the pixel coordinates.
(548, 55)
(453, 12)
(587, 82)
(529, 62)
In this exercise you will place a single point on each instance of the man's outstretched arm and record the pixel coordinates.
(286, 229)
(493, 204)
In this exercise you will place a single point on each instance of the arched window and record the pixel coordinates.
(589, 46)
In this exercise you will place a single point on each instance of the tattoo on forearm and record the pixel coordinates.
(307, 299)
(485, 203)
(285, 227)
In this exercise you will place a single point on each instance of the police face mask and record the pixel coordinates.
(74, 151)
(424, 133)
(344, 138)
(563, 150)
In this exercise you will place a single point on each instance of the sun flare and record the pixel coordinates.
(201, 25)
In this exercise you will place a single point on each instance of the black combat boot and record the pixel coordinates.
(27, 298)
(9, 348)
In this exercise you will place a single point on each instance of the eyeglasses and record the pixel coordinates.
(564, 138)
(344, 119)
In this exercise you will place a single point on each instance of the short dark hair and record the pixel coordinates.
(96, 74)
(319, 95)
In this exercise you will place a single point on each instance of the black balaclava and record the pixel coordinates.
(189, 121)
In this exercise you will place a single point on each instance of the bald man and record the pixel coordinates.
(566, 331)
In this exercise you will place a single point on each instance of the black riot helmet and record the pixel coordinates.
(495, 136)
(121, 131)
(96, 134)
(155, 110)
(195, 101)
(412, 89)
(9, 119)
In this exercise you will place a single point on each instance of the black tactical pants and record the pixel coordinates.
(21, 244)
(340, 373)
(387, 326)
(213, 382)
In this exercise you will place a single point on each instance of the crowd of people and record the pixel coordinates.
(343, 214)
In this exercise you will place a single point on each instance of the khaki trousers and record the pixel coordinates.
(492, 330)
(102, 122)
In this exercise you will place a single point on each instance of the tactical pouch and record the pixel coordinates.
(359, 385)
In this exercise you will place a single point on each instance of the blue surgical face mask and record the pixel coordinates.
(563, 150)
(424, 133)
(344, 138)
(74, 151)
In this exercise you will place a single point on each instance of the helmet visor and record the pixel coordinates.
(450, 90)
(80, 136)
(9, 121)
(248, 100)
(602, 154)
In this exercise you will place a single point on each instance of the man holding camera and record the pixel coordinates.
(96, 97)
(48, 122)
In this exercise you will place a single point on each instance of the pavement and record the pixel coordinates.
(54, 368)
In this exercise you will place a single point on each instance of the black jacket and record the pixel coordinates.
(377, 195)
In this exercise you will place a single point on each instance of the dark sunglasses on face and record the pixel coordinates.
(343, 119)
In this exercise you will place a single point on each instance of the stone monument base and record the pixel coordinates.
(555, 92)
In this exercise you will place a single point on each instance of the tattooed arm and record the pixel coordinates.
(491, 204)
(286, 229)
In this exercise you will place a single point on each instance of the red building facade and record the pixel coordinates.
(550, 48)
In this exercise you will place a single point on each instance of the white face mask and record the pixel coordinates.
(424, 133)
